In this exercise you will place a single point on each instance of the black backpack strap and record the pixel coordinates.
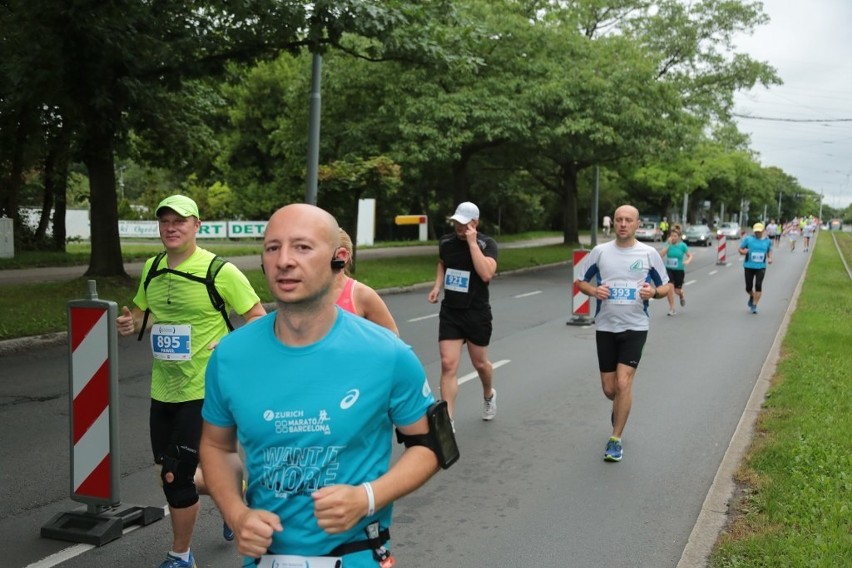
(215, 298)
(152, 272)
(209, 281)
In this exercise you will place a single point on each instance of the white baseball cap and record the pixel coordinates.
(465, 213)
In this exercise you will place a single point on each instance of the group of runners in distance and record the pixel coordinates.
(311, 392)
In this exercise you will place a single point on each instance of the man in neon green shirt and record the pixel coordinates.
(187, 326)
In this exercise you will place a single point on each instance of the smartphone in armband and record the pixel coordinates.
(442, 435)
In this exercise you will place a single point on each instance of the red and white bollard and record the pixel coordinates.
(93, 373)
(580, 303)
(721, 249)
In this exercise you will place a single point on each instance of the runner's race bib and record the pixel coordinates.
(457, 280)
(171, 342)
(671, 262)
(623, 293)
(758, 257)
(292, 561)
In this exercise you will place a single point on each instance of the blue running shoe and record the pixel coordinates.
(175, 562)
(227, 532)
(753, 309)
(614, 451)
(750, 302)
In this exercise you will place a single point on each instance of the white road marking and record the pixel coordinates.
(423, 318)
(712, 272)
(690, 282)
(66, 554)
(474, 374)
(527, 294)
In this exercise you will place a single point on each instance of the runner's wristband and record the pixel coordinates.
(371, 499)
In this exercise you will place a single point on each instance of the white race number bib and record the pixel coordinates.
(623, 292)
(171, 342)
(457, 280)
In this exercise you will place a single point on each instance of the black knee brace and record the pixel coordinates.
(181, 462)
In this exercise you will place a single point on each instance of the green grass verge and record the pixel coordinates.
(794, 504)
(35, 309)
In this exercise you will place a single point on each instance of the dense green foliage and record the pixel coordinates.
(515, 105)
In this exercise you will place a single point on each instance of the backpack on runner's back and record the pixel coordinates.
(209, 281)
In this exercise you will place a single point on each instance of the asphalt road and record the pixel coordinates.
(531, 488)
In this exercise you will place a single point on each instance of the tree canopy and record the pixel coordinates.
(424, 104)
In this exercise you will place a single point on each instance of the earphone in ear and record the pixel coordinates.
(337, 264)
(262, 268)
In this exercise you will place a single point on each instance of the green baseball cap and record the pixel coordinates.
(180, 204)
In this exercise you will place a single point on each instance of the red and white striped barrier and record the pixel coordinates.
(92, 466)
(721, 249)
(580, 303)
(93, 374)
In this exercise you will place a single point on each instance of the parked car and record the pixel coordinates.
(699, 235)
(649, 231)
(730, 230)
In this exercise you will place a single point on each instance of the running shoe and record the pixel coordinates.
(175, 562)
(683, 301)
(614, 451)
(489, 406)
(671, 313)
(754, 308)
(750, 302)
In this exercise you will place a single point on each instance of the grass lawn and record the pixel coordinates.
(794, 504)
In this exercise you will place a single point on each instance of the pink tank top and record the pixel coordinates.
(346, 299)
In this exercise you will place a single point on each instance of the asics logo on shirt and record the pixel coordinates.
(636, 266)
(350, 399)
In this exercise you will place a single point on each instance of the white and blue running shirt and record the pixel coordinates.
(623, 270)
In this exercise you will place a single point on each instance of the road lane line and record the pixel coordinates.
(527, 294)
(475, 375)
(430, 316)
(67, 554)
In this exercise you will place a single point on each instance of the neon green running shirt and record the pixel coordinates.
(182, 307)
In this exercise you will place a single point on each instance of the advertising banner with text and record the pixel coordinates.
(208, 229)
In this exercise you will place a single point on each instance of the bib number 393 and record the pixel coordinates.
(622, 293)
(171, 342)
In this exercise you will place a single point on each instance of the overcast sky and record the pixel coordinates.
(809, 43)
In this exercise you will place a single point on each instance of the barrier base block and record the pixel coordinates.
(99, 528)
(580, 320)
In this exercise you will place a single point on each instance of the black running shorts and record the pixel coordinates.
(471, 325)
(676, 277)
(624, 347)
(174, 423)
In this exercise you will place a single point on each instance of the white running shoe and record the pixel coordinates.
(489, 406)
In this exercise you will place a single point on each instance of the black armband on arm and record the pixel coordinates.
(441, 438)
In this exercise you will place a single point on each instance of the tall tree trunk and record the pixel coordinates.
(61, 150)
(9, 198)
(105, 259)
(47, 198)
(569, 203)
(461, 184)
